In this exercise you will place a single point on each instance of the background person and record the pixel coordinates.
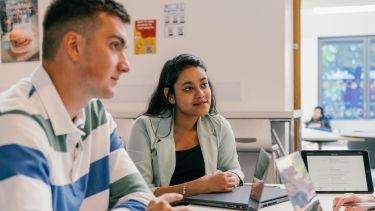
(319, 120)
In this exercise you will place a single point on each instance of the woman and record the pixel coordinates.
(319, 120)
(181, 144)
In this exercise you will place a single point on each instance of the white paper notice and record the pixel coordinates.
(174, 20)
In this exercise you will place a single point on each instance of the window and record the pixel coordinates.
(347, 77)
(372, 79)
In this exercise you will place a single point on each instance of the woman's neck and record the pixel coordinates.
(185, 132)
(185, 123)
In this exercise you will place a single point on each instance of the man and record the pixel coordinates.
(59, 148)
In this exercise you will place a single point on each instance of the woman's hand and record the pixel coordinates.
(216, 182)
(220, 181)
(339, 201)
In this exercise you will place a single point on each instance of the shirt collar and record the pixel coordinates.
(56, 111)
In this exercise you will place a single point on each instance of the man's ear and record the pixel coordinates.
(170, 98)
(72, 44)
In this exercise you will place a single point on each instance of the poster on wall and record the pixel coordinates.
(145, 37)
(19, 30)
(174, 20)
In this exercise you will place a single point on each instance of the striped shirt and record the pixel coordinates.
(49, 162)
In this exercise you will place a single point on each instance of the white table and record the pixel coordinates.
(320, 136)
(325, 201)
(309, 134)
(358, 134)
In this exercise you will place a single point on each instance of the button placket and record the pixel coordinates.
(76, 162)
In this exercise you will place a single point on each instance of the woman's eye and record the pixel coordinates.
(204, 85)
(188, 88)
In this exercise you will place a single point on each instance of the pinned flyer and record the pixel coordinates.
(174, 20)
(145, 36)
(19, 30)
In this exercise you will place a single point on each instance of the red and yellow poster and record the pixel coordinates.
(145, 36)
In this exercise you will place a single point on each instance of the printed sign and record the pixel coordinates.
(19, 30)
(145, 36)
(174, 20)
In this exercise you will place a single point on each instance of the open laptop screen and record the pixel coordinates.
(260, 173)
(339, 170)
(255, 196)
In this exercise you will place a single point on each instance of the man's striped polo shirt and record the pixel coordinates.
(49, 162)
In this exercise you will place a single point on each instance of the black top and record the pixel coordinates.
(189, 166)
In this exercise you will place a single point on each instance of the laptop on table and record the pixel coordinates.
(245, 197)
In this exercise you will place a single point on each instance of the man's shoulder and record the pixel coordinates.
(96, 107)
(20, 97)
(22, 117)
(97, 115)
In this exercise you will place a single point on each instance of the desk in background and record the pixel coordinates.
(359, 134)
(356, 140)
(320, 136)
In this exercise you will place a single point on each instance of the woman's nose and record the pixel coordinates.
(199, 93)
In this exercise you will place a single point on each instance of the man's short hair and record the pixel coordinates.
(79, 16)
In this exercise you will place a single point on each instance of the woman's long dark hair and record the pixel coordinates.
(171, 71)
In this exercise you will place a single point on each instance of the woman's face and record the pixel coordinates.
(192, 93)
(317, 114)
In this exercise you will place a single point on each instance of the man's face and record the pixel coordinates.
(103, 58)
(192, 92)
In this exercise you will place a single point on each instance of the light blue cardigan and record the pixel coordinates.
(151, 146)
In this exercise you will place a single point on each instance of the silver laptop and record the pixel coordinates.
(298, 183)
(240, 198)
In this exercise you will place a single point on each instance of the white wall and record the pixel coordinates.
(247, 46)
(314, 26)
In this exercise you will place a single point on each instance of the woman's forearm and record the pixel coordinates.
(191, 188)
